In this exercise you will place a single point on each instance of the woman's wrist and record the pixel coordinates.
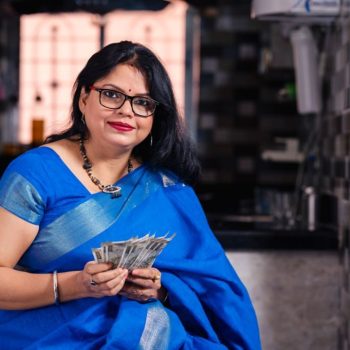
(69, 287)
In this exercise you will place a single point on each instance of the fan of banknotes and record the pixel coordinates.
(132, 253)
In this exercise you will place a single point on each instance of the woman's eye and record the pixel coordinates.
(144, 102)
(112, 94)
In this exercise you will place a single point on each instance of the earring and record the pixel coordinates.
(83, 118)
(151, 141)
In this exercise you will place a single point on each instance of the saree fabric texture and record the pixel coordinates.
(207, 308)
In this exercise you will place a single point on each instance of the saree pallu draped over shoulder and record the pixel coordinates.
(208, 307)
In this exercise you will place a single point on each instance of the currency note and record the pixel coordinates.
(132, 253)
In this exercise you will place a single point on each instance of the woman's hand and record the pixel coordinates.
(143, 285)
(101, 280)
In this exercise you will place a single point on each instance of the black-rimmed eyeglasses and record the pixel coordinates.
(141, 106)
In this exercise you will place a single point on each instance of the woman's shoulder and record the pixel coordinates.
(36, 160)
(27, 173)
(31, 159)
(60, 146)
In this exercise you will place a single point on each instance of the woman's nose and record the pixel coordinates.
(126, 108)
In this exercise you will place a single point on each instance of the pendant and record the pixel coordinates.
(114, 191)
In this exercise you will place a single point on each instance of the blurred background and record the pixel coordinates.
(264, 87)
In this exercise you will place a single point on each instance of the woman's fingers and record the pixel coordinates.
(111, 286)
(93, 267)
(144, 283)
(139, 284)
(101, 280)
(148, 273)
(132, 291)
(108, 275)
(146, 278)
(115, 282)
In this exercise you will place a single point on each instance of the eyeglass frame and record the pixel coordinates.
(126, 97)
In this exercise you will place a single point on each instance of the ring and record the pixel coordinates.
(92, 282)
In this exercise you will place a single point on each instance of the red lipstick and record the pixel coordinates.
(121, 126)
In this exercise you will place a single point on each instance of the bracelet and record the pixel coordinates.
(55, 288)
(166, 298)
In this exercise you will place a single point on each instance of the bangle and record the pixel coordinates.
(165, 298)
(55, 288)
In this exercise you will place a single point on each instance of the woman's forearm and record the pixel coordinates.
(23, 290)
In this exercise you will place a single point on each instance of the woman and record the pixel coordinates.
(120, 170)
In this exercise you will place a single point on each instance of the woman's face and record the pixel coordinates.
(120, 127)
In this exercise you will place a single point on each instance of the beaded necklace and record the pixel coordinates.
(114, 191)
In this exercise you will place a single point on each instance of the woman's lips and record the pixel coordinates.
(121, 126)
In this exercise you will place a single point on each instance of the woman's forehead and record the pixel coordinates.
(127, 77)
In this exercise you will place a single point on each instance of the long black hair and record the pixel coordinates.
(171, 146)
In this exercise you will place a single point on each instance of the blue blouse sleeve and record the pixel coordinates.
(21, 190)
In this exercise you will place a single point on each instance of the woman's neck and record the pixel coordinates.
(108, 163)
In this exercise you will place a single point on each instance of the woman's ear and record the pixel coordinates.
(82, 100)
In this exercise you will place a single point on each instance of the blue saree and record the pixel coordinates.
(207, 308)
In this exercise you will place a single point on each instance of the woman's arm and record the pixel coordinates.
(23, 290)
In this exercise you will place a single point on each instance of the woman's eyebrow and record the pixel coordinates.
(115, 87)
